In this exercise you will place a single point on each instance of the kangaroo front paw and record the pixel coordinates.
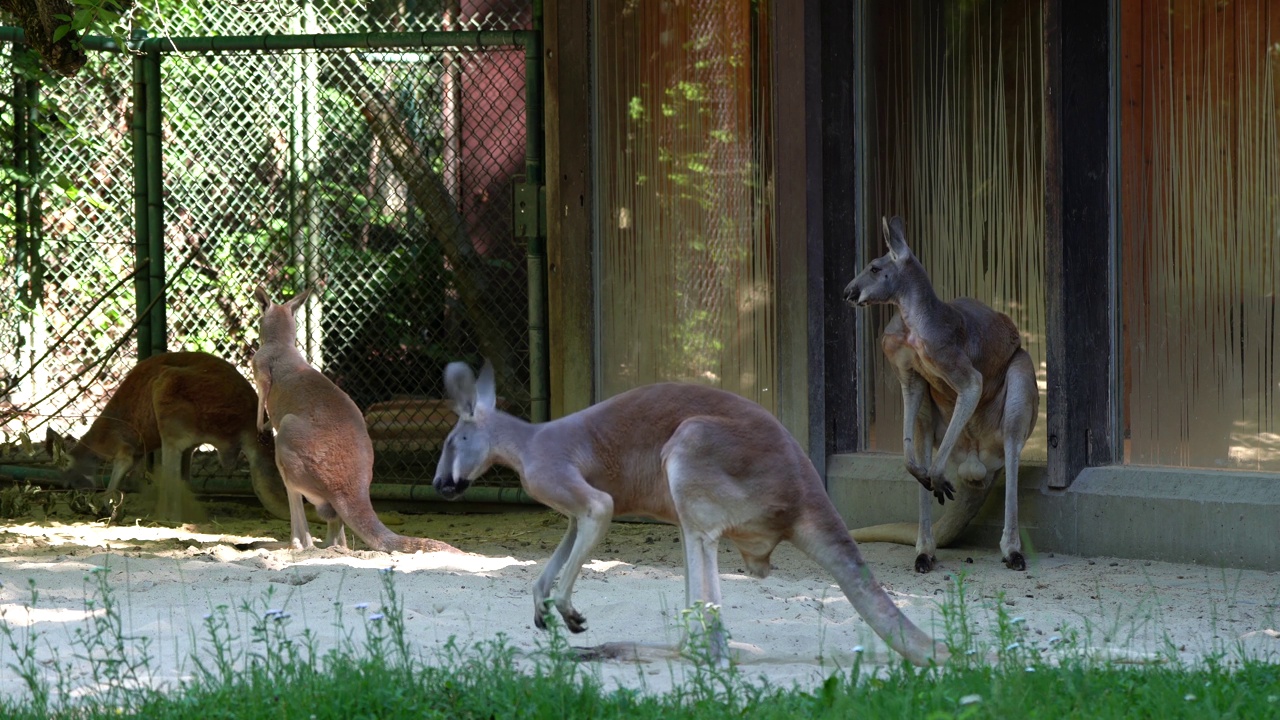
(1015, 561)
(925, 563)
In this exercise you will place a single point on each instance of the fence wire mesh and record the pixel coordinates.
(262, 17)
(68, 238)
(383, 180)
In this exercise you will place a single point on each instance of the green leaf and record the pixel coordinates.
(60, 32)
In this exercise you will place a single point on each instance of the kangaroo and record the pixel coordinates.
(323, 448)
(704, 459)
(968, 387)
(174, 402)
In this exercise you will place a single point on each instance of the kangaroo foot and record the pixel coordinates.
(1015, 561)
(925, 563)
(574, 621)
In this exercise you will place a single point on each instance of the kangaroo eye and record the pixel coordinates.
(875, 270)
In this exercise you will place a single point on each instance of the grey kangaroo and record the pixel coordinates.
(323, 448)
(711, 462)
(968, 388)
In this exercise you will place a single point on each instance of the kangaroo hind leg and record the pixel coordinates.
(1022, 401)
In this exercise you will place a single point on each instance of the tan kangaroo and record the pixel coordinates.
(174, 402)
(323, 449)
(709, 461)
(968, 387)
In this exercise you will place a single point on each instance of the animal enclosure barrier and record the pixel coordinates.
(398, 174)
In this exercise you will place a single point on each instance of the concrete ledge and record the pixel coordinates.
(1209, 517)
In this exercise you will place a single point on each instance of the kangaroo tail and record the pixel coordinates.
(946, 529)
(827, 541)
(365, 523)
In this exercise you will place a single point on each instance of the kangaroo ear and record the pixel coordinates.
(486, 388)
(52, 441)
(264, 300)
(296, 301)
(895, 236)
(460, 383)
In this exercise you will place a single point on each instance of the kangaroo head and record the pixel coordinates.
(886, 276)
(468, 451)
(278, 321)
(78, 475)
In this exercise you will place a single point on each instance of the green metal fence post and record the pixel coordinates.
(142, 245)
(155, 201)
(22, 185)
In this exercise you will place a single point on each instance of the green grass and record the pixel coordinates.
(274, 671)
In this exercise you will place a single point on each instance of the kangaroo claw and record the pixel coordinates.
(941, 488)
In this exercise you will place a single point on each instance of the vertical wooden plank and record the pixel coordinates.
(795, 61)
(1078, 235)
(571, 302)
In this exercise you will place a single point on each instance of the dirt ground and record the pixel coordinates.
(794, 626)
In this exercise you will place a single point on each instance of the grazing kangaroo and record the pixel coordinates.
(968, 387)
(323, 449)
(707, 460)
(174, 402)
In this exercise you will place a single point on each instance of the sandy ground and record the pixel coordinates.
(793, 627)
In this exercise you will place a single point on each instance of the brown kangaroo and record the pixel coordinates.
(709, 461)
(174, 402)
(968, 387)
(323, 449)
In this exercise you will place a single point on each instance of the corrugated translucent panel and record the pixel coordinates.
(685, 247)
(954, 145)
(1201, 213)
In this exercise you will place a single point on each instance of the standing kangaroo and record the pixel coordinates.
(174, 402)
(323, 449)
(968, 387)
(707, 460)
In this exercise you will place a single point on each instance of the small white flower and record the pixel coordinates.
(376, 617)
(208, 616)
(362, 606)
(1012, 646)
(1030, 669)
(1189, 697)
(970, 700)
(1017, 621)
(1055, 640)
(858, 649)
(272, 612)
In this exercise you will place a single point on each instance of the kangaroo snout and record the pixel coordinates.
(853, 294)
(451, 488)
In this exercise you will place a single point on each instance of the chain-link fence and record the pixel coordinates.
(380, 174)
